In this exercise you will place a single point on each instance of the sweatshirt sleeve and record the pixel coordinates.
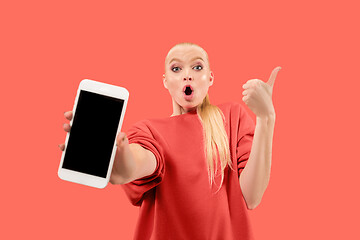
(141, 133)
(246, 129)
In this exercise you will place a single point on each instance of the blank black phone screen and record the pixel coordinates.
(93, 133)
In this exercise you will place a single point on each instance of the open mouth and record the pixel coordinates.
(188, 90)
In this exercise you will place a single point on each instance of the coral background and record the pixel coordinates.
(48, 47)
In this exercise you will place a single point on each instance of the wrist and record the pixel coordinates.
(268, 119)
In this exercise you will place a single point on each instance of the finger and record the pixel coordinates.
(62, 147)
(249, 84)
(68, 115)
(245, 92)
(245, 98)
(66, 127)
(273, 76)
(252, 83)
(120, 139)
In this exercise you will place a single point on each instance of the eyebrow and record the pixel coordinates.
(178, 60)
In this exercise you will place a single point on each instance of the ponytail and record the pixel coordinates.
(216, 143)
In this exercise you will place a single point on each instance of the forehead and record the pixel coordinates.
(186, 53)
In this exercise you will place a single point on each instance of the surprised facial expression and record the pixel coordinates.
(187, 75)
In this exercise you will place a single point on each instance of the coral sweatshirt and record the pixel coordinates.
(176, 201)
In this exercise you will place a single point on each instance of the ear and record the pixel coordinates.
(164, 81)
(211, 78)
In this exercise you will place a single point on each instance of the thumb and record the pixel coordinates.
(273, 76)
(120, 139)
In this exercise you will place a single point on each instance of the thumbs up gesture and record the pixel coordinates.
(258, 95)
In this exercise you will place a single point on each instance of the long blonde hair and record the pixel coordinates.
(216, 143)
(215, 139)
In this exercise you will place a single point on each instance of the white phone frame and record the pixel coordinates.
(106, 90)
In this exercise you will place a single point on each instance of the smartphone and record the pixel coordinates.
(90, 146)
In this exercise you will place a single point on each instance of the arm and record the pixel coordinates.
(255, 176)
(131, 162)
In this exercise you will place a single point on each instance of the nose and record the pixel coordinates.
(188, 78)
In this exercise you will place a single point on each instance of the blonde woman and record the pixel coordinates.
(195, 174)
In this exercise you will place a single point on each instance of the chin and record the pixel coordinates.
(189, 105)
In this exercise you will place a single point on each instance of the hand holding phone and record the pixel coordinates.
(121, 142)
(96, 119)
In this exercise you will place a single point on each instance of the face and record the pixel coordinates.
(187, 76)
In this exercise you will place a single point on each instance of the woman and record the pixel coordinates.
(196, 173)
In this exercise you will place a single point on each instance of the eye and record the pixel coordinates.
(198, 67)
(175, 69)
